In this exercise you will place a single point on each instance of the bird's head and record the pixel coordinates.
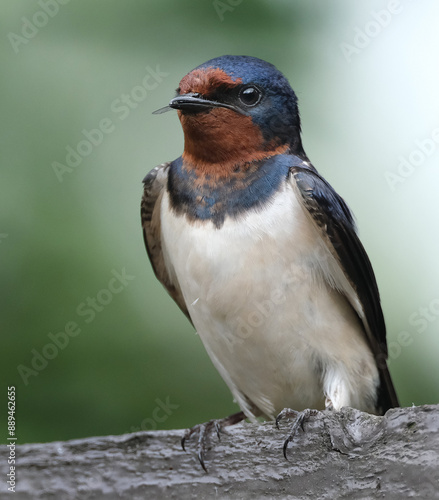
(234, 110)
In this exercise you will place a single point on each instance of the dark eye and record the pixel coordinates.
(250, 96)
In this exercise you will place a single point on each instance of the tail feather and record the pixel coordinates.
(387, 397)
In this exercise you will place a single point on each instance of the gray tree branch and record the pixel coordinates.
(346, 454)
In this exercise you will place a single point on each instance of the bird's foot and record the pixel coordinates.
(203, 431)
(301, 418)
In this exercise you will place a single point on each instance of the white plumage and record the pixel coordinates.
(263, 292)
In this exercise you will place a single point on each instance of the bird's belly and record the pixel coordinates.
(265, 316)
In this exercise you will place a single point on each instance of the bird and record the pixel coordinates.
(261, 254)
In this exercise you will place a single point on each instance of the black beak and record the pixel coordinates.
(194, 103)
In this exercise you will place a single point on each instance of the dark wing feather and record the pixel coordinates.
(333, 218)
(154, 187)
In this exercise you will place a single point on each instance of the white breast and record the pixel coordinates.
(279, 335)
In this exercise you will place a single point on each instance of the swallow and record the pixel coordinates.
(260, 252)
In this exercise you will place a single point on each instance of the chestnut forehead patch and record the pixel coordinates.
(205, 81)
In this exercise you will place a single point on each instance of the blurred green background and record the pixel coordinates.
(368, 85)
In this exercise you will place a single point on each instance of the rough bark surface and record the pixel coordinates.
(346, 454)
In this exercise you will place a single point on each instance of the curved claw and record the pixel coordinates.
(187, 435)
(203, 430)
(285, 448)
(203, 433)
(301, 418)
(183, 440)
(291, 436)
(200, 456)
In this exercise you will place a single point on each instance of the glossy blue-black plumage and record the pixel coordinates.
(331, 213)
(230, 196)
